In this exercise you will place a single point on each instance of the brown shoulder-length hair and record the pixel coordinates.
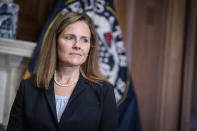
(47, 62)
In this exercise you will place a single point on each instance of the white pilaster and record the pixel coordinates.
(14, 58)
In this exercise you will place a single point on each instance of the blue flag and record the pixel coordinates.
(112, 57)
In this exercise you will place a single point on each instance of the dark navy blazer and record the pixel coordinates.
(91, 107)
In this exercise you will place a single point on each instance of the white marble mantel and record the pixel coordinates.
(14, 58)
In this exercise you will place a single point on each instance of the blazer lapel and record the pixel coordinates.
(50, 96)
(80, 87)
(82, 84)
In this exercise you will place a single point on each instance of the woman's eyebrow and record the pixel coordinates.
(85, 36)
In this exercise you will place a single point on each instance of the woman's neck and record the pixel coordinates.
(67, 75)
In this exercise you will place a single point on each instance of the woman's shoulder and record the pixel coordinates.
(29, 81)
(104, 91)
(105, 84)
(103, 87)
(28, 84)
(28, 87)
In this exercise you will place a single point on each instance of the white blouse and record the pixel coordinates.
(61, 102)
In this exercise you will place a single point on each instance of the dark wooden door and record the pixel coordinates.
(32, 17)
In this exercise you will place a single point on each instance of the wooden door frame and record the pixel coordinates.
(171, 81)
(189, 61)
(174, 95)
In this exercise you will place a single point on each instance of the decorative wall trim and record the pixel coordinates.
(16, 47)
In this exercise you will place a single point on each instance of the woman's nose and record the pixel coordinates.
(76, 45)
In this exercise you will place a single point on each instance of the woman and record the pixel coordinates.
(66, 92)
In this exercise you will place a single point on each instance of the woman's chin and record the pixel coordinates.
(72, 63)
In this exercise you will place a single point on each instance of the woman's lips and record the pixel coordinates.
(75, 54)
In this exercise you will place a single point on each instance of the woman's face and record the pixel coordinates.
(74, 44)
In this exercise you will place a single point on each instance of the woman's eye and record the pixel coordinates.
(85, 40)
(69, 37)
